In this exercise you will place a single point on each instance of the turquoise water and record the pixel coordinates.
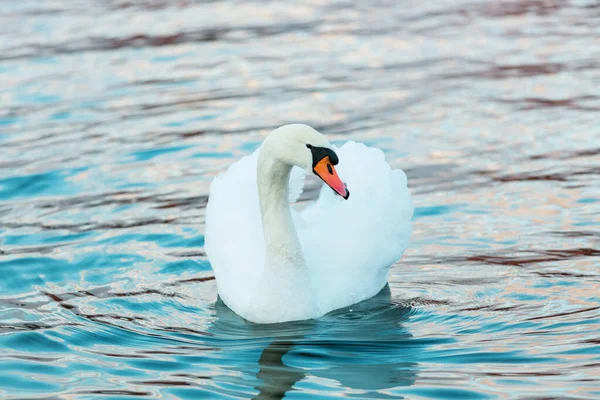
(116, 115)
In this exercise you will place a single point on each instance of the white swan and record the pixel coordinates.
(273, 264)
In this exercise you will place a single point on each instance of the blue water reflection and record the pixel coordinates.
(117, 115)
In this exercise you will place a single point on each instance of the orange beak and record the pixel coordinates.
(325, 170)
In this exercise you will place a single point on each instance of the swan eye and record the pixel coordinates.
(320, 153)
(329, 169)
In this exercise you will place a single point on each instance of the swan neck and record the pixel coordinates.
(281, 239)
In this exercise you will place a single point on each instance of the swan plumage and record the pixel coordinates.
(344, 247)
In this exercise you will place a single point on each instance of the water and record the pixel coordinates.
(116, 115)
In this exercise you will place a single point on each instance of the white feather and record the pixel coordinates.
(348, 245)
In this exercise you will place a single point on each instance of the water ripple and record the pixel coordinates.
(116, 115)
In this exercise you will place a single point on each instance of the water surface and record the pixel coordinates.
(116, 115)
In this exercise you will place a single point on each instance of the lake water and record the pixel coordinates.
(115, 115)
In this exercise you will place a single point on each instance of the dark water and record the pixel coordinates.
(115, 115)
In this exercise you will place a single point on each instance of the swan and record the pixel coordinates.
(273, 263)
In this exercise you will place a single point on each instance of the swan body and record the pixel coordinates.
(274, 264)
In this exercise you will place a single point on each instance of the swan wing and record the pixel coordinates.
(349, 245)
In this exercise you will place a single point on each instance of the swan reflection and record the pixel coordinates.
(363, 348)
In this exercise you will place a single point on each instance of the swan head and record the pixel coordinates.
(302, 146)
